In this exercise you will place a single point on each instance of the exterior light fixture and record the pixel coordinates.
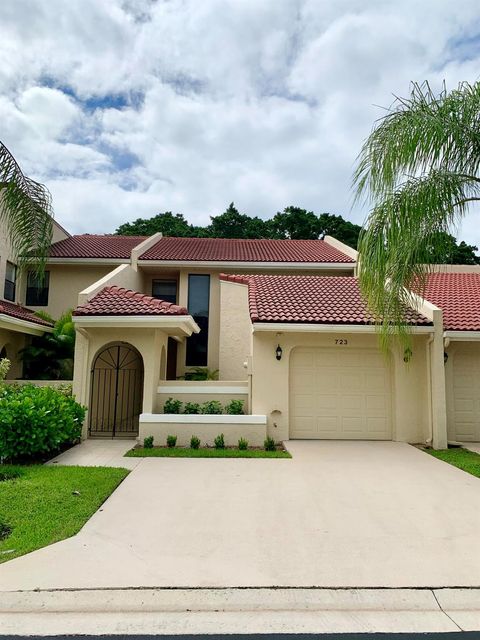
(407, 355)
(445, 357)
(278, 352)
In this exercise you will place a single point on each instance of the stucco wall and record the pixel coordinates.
(66, 282)
(13, 341)
(271, 385)
(235, 342)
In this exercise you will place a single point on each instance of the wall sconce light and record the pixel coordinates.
(278, 352)
(407, 355)
(445, 357)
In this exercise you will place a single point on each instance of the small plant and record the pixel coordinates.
(243, 444)
(171, 441)
(172, 406)
(148, 442)
(4, 368)
(219, 442)
(235, 407)
(269, 444)
(194, 442)
(212, 407)
(192, 408)
(201, 373)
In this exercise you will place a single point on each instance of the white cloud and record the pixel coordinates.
(129, 107)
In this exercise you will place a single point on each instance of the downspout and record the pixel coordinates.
(429, 389)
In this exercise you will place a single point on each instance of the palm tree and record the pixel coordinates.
(419, 171)
(26, 211)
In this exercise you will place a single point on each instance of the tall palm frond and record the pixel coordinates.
(26, 211)
(419, 170)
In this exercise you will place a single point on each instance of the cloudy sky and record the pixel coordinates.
(125, 108)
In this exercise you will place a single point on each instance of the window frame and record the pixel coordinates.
(7, 292)
(38, 300)
(201, 338)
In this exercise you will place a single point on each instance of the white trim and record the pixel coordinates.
(249, 265)
(141, 248)
(185, 323)
(462, 336)
(342, 247)
(201, 418)
(88, 261)
(207, 389)
(23, 326)
(286, 327)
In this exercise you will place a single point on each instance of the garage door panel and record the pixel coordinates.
(466, 396)
(349, 393)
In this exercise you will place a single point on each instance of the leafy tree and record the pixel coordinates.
(50, 356)
(168, 223)
(26, 211)
(444, 249)
(232, 224)
(419, 169)
(339, 228)
(296, 223)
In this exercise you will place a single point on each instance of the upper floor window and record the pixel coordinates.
(37, 289)
(199, 308)
(10, 281)
(165, 290)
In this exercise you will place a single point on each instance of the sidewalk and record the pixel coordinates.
(195, 611)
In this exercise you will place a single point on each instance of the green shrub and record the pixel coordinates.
(269, 444)
(201, 373)
(194, 442)
(243, 444)
(235, 407)
(212, 407)
(148, 442)
(191, 408)
(37, 421)
(171, 441)
(219, 442)
(172, 406)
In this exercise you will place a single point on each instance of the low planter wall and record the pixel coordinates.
(40, 383)
(206, 427)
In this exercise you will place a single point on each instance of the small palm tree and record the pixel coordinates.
(419, 171)
(26, 211)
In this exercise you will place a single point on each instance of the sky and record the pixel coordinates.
(126, 108)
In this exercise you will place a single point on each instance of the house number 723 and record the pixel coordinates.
(341, 341)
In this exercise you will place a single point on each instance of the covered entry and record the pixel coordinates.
(117, 391)
(340, 394)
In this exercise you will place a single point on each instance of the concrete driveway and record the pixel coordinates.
(360, 514)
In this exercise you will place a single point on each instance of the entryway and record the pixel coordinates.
(116, 391)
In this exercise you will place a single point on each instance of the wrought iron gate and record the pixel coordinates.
(116, 392)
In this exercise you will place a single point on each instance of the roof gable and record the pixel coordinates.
(310, 299)
(117, 301)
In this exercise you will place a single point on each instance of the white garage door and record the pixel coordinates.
(340, 393)
(466, 395)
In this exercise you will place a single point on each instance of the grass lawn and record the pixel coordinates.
(186, 452)
(462, 458)
(41, 506)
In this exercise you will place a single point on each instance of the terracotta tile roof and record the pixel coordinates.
(458, 295)
(21, 313)
(222, 250)
(309, 299)
(117, 301)
(95, 246)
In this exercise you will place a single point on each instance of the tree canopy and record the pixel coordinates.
(419, 170)
(292, 222)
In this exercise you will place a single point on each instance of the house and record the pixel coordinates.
(284, 324)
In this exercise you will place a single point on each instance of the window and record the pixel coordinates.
(198, 307)
(10, 280)
(37, 289)
(165, 290)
